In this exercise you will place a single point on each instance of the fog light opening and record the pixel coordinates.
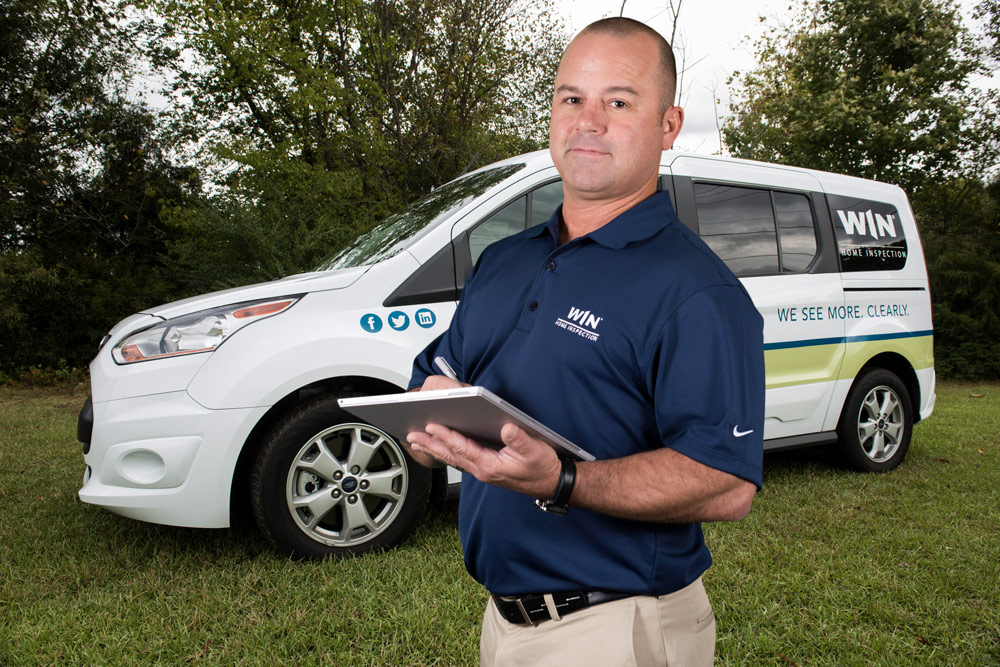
(142, 467)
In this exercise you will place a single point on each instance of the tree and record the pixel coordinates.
(962, 247)
(82, 181)
(50, 99)
(286, 217)
(987, 103)
(988, 11)
(873, 88)
(319, 118)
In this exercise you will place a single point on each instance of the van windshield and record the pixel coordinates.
(399, 230)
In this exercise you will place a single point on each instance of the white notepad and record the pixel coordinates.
(476, 412)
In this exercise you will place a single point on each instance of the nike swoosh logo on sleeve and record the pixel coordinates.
(737, 433)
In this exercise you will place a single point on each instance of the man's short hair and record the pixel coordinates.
(625, 27)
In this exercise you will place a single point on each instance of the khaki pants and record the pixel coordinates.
(674, 629)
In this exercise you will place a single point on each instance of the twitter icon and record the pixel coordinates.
(398, 320)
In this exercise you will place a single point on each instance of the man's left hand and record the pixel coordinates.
(524, 464)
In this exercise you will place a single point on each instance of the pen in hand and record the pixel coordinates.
(446, 369)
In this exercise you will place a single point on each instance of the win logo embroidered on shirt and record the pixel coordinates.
(581, 322)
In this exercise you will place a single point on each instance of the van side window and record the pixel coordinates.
(756, 232)
(738, 224)
(544, 201)
(796, 231)
(505, 222)
(532, 209)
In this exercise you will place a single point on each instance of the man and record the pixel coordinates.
(666, 391)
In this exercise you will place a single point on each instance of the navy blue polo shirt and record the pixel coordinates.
(633, 337)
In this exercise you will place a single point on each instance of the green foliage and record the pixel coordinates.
(81, 184)
(55, 312)
(872, 88)
(291, 220)
(63, 376)
(960, 228)
(51, 97)
(985, 149)
(406, 93)
(321, 118)
(988, 11)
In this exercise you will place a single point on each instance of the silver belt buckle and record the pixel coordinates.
(520, 607)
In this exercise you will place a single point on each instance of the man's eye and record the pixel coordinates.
(573, 100)
(618, 104)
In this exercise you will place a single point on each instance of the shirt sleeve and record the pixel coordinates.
(708, 383)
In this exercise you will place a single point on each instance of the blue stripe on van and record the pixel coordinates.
(845, 339)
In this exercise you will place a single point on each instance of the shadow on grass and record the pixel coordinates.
(148, 543)
(807, 461)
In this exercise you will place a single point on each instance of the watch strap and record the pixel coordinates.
(559, 504)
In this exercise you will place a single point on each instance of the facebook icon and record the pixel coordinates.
(371, 323)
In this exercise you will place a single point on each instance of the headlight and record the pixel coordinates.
(198, 332)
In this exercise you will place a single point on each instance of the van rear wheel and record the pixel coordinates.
(325, 484)
(877, 422)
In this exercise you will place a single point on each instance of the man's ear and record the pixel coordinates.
(673, 119)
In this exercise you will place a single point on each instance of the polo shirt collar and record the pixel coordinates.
(636, 224)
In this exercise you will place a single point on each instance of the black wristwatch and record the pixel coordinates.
(564, 489)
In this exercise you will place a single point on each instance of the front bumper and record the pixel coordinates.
(165, 458)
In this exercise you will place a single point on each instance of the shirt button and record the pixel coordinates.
(551, 266)
(533, 305)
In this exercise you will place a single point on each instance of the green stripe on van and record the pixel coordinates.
(827, 359)
(788, 366)
(919, 351)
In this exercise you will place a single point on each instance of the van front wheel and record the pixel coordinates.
(325, 484)
(877, 422)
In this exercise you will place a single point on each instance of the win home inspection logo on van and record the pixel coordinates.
(869, 234)
(581, 322)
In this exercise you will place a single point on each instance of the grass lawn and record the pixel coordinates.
(831, 567)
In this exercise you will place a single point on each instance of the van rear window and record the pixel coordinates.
(869, 234)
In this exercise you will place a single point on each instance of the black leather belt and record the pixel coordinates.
(532, 608)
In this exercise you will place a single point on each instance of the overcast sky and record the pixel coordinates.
(715, 37)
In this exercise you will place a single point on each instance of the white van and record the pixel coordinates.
(224, 401)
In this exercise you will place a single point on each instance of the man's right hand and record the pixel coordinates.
(440, 382)
(432, 382)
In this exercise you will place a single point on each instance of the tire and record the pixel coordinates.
(326, 485)
(877, 422)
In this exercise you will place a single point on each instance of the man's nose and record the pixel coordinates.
(592, 118)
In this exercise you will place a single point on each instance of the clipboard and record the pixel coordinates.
(476, 412)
